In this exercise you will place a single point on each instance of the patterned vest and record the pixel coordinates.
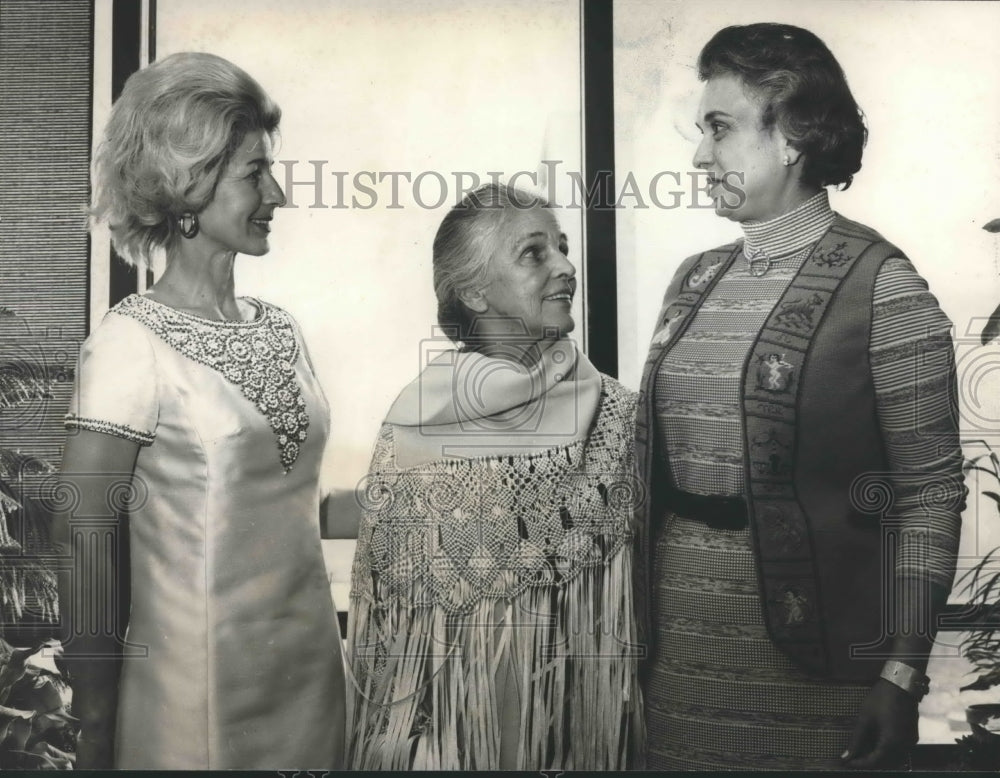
(812, 446)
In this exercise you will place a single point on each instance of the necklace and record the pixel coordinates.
(759, 261)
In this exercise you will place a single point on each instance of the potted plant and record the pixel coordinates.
(992, 328)
(981, 647)
(36, 730)
(27, 583)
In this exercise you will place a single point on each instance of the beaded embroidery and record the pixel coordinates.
(258, 356)
(110, 428)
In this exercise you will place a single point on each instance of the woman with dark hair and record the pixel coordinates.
(205, 408)
(491, 623)
(797, 431)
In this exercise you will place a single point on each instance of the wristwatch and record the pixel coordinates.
(907, 678)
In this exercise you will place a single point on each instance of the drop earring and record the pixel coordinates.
(188, 224)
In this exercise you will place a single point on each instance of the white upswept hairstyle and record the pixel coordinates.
(464, 246)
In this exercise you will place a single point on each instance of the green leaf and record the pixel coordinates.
(13, 665)
(45, 756)
(969, 468)
(43, 723)
(35, 692)
(992, 495)
(992, 226)
(7, 718)
(14, 464)
(983, 682)
(17, 731)
(7, 503)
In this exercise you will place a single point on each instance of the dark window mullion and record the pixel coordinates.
(151, 48)
(126, 39)
(599, 173)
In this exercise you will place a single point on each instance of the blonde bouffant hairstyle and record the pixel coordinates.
(170, 136)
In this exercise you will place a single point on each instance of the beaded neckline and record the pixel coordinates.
(260, 307)
(258, 356)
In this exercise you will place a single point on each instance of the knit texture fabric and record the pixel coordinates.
(719, 694)
(697, 398)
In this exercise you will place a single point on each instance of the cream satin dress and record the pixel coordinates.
(231, 602)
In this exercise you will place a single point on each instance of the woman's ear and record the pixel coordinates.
(474, 300)
(789, 154)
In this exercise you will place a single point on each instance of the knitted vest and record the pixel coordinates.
(811, 433)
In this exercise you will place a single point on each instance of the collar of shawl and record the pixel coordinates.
(790, 232)
(465, 404)
(453, 532)
(258, 356)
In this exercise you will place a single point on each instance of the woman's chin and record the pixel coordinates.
(724, 211)
(257, 247)
(559, 329)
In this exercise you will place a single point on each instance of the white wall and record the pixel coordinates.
(386, 86)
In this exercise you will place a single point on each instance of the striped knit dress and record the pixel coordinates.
(720, 695)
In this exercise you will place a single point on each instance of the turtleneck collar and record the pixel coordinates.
(791, 231)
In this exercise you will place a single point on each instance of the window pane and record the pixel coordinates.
(942, 711)
(376, 95)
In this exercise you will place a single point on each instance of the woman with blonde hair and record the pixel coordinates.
(205, 406)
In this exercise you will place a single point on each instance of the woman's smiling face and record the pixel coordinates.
(736, 149)
(238, 218)
(532, 282)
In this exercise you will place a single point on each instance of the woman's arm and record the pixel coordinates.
(95, 467)
(913, 369)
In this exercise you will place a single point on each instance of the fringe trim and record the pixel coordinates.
(546, 680)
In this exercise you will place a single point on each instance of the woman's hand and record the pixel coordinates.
(886, 729)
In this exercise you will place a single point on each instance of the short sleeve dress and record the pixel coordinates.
(230, 598)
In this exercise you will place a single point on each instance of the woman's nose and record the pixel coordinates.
(274, 195)
(564, 267)
(703, 153)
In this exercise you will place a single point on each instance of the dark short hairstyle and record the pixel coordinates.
(804, 90)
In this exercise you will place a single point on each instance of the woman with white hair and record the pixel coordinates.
(491, 622)
(206, 406)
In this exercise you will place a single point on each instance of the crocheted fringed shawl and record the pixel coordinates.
(491, 607)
